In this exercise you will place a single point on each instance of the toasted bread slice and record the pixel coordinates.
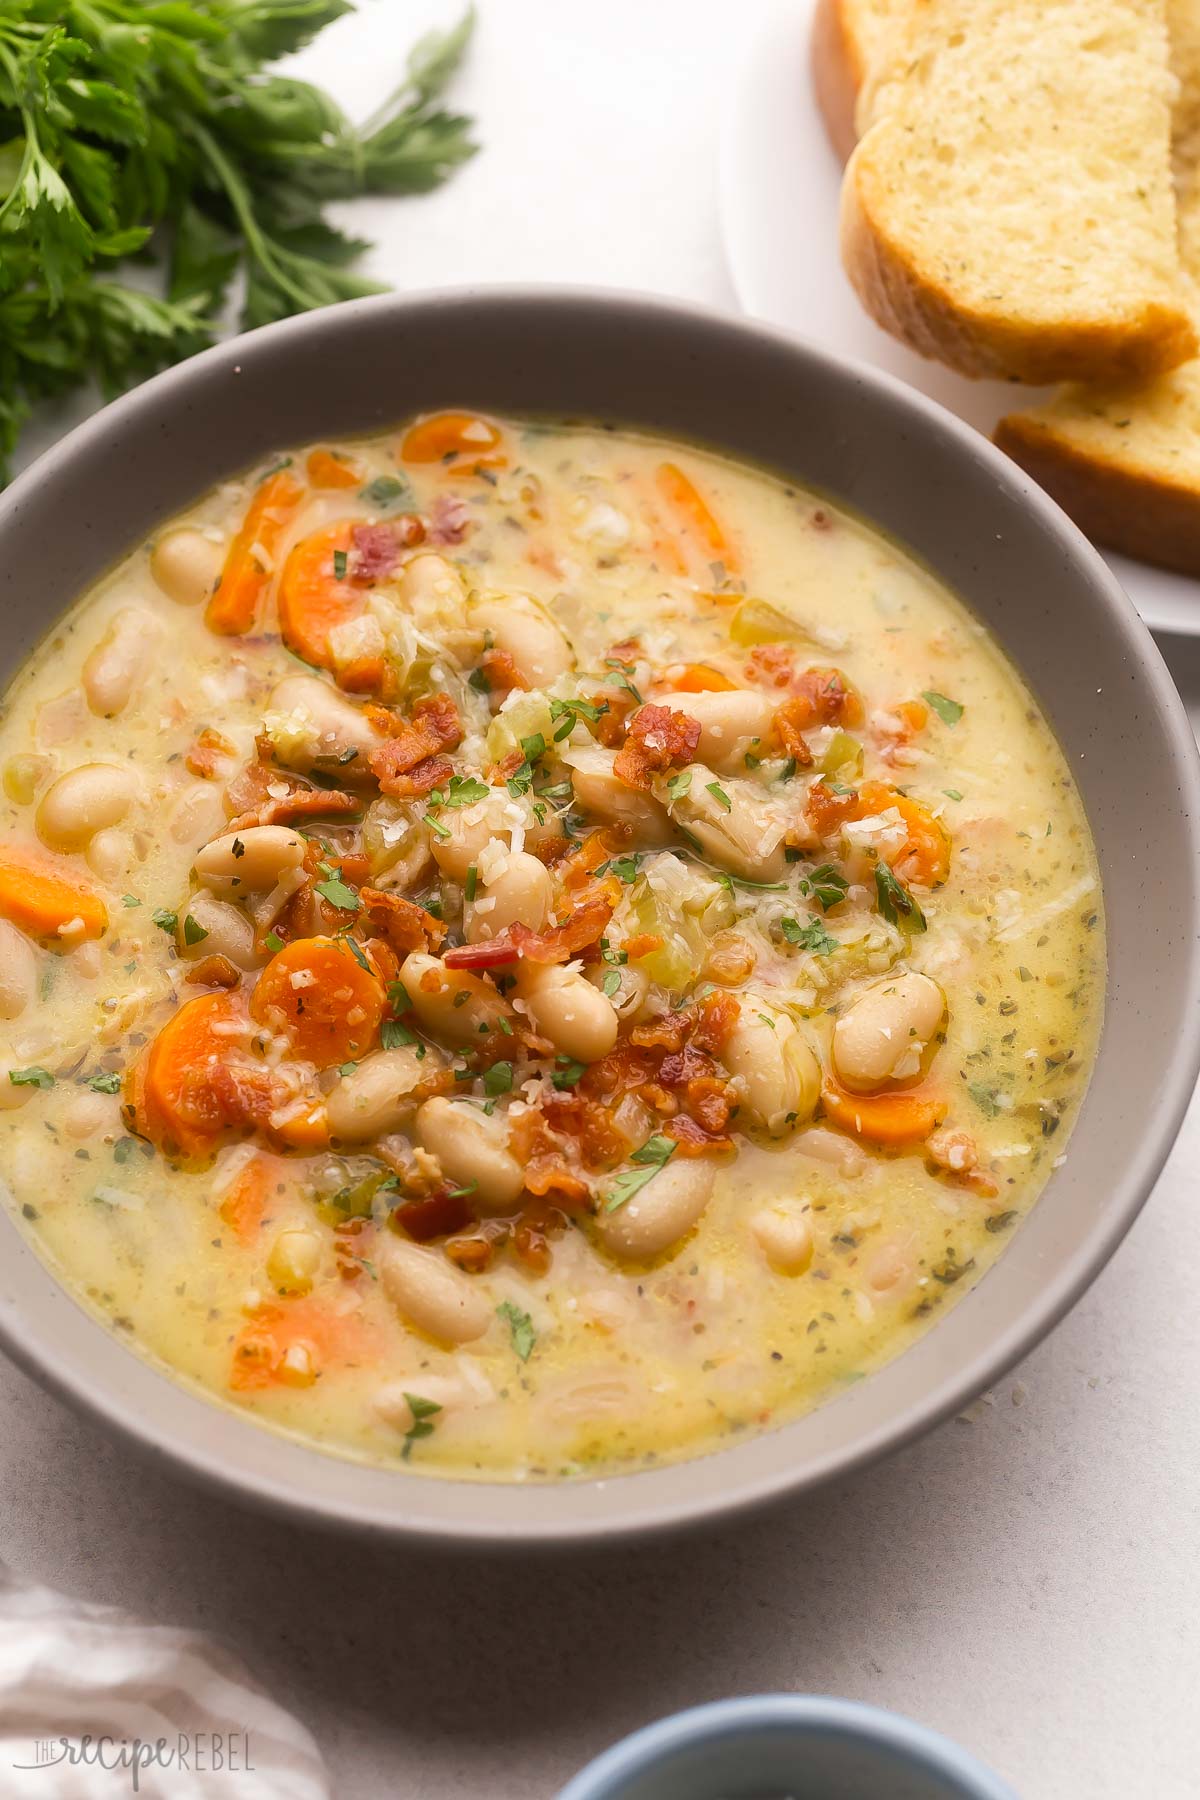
(1010, 210)
(847, 37)
(1124, 461)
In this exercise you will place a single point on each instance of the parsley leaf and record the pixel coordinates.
(498, 1079)
(811, 936)
(895, 902)
(826, 886)
(34, 1077)
(948, 711)
(520, 1326)
(339, 895)
(166, 920)
(567, 1073)
(193, 931)
(423, 1413)
(651, 1157)
(105, 1084)
(719, 795)
(678, 785)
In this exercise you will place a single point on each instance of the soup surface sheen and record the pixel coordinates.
(530, 950)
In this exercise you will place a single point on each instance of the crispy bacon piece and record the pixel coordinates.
(208, 753)
(788, 725)
(612, 726)
(705, 1023)
(576, 1115)
(539, 1222)
(658, 738)
(827, 811)
(501, 673)
(494, 953)
(214, 971)
(438, 1216)
(626, 1069)
(711, 1102)
(577, 869)
(557, 944)
(771, 665)
(829, 698)
(434, 726)
(692, 1138)
(301, 803)
(685, 1065)
(550, 1168)
(434, 772)
(401, 923)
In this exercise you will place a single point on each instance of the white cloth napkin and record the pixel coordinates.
(182, 1716)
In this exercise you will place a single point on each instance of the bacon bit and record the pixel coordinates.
(659, 1100)
(433, 727)
(688, 1064)
(376, 548)
(501, 673)
(543, 1152)
(707, 1023)
(577, 868)
(214, 971)
(248, 789)
(623, 1071)
(643, 943)
(576, 1115)
(788, 723)
(730, 959)
(612, 726)
(508, 765)
(561, 942)
(434, 772)
(826, 811)
(828, 697)
(626, 651)
(493, 953)
(449, 520)
(657, 739)
(711, 1102)
(401, 923)
(692, 1138)
(301, 803)
(438, 1216)
(473, 1254)
(771, 665)
(914, 715)
(208, 753)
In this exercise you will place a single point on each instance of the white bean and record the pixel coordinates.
(18, 972)
(735, 823)
(12, 1096)
(563, 1005)
(120, 662)
(430, 1293)
(435, 993)
(294, 1259)
(633, 985)
(109, 855)
(784, 1236)
(375, 1097)
(186, 565)
(197, 815)
(430, 577)
(660, 1213)
(518, 626)
(311, 724)
(883, 1034)
(775, 1071)
(473, 1152)
(228, 932)
(87, 1113)
(733, 724)
(243, 862)
(84, 801)
(518, 892)
(607, 797)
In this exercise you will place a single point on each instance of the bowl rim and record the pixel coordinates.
(927, 1750)
(495, 1522)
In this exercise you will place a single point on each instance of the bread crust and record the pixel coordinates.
(837, 74)
(1135, 510)
(914, 306)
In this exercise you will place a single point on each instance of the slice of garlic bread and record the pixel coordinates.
(847, 37)
(1124, 460)
(1010, 210)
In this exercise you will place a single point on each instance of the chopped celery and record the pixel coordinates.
(760, 622)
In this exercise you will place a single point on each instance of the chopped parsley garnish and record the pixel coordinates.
(384, 490)
(237, 849)
(166, 920)
(339, 895)
(395, 1036)
(811, 936)
(34, 1077)
(825, 885)
(498, 1079)
(679, 784)
(347, 1068)
(729, 882)
(273, 941)
(611, 984)
(895, 902)
(651, 1157)
(464, 790)
(567, 1073)
(534, 746)
(356, 952)
(985, 1099)
(471, 884)
(719, 795)
(339, 565)
(130, 900)
(520, 1326)
(423, 1412)
(435, 825)
(398, 997)
(948, 711)
(952, 793)
(105, 1084)
(569, 712)
(193, 931)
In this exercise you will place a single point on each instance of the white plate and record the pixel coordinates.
(780, 181)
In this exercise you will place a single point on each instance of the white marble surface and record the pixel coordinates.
(1026, 1580)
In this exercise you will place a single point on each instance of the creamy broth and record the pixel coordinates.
(737, 1097)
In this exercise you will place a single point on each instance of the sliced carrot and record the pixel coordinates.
(331, 1340)
(43, 895)
(681, 493)
(915, 715)
(448, 434)
(327, 1002)
(184, 1094)
(313, 598)
(888, 1119)
(249, 1197)
(331, 469)
(694, 678)
(307, 1130)
(925, 857)
(235, 606)
(663, 548)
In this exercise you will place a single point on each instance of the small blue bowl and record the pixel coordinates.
(786, 1747)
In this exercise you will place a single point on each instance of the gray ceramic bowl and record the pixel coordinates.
(903, 463)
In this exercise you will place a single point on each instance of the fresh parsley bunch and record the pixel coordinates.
(131, 129)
